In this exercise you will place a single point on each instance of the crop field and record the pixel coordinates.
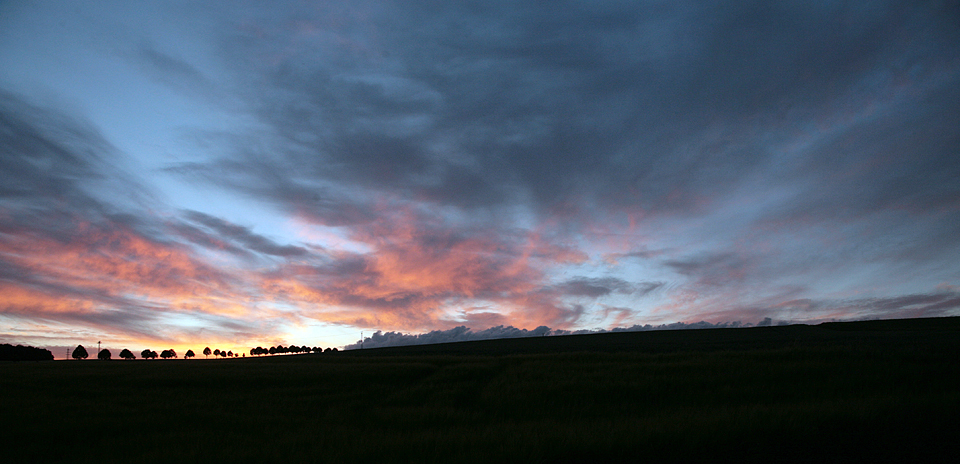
(880, 391)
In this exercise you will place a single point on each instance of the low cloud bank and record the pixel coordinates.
(463, 334)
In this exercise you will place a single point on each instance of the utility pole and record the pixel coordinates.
(98, 350)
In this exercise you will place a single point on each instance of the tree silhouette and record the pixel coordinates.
(206, 352)
(167, 354)
(189, 354)
(126, 354)
(79, 352)
(216, 352)
(9, 352)
(104, 355)
(229, 354)
(148, 354)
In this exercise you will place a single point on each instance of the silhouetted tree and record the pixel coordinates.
(189, 354)
(79, 352)
(104, 355)
(9, 352)
(167, 354)
(230, 354)
(206, 352)
(216, 352)
(126, 354)
(148, 354)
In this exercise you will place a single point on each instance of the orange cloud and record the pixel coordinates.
(102, 266)
(424, 274)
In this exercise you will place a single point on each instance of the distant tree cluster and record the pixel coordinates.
(220, 353)
(24, 353)
(280, 349)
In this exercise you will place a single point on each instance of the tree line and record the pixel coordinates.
(9, 352)
(280, 349)
(81, 353)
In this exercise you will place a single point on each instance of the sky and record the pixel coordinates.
(184, 174)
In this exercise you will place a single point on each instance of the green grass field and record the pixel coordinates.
(867, 391)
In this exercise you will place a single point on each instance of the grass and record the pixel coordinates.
(886, 391)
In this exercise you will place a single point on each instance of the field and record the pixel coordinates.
(884, 391)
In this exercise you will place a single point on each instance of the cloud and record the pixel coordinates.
(546, 114)
(238, 234)
(48, 157)
(937, 304)
(597, 287)
(173, 71)
(415, 272)
(717, 269)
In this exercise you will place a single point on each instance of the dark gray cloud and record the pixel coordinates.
(47, 157)
(714, 269)
(222, 229)
(659, 106)
(602, 286)
(907, 306)
(171, 70)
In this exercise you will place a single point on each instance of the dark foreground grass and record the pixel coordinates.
(885, 391)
